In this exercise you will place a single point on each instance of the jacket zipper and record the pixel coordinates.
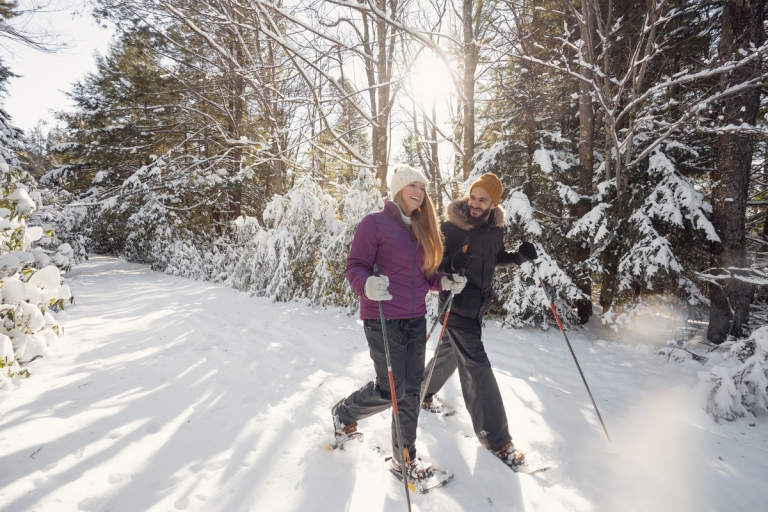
(413, 267)
(413, 274)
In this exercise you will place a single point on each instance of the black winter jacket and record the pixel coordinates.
(486, 244)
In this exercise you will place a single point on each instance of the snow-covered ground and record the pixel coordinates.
(172, 394)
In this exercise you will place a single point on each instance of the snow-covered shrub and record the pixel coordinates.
(30, 276)
(330, 287)
(737, 383)
(240, 255)
(288, 252)
(276, 261)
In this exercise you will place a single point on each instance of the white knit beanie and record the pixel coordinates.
(403, 175)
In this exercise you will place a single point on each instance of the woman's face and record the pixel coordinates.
(413, 195)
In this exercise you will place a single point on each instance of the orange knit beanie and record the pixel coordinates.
(491, 184)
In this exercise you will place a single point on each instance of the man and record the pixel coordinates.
(476, 221)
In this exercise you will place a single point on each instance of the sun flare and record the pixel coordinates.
(431, 81)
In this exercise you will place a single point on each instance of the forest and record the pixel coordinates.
(241, 141)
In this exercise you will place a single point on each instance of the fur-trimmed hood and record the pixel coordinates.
(455, 213)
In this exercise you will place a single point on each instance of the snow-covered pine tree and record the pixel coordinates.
(668, 219)
(67, 223)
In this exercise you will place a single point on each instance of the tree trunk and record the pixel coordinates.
(274, 106)
(742, 27)
(381, 113)
(586, 152)
(609, 285)
(435, 161)
(235, 132)
(470, 67)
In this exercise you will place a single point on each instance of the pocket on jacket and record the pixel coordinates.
(466, 305)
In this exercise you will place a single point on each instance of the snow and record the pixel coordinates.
(24, 202)
(32, 234)
(541, 157)
(6, 348)
(9, 261)
(173, 394)
(48, 277)
(518, 209)
(484, 158)
(13, 290)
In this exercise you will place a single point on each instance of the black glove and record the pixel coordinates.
(527, 251)
(460, 260)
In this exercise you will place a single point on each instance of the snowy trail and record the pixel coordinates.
(172, 394)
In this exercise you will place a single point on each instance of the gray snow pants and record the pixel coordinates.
(407, 342)
(465, 350)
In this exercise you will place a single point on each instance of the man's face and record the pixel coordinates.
(479, 203)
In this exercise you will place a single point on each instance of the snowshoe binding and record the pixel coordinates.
(516, 461)
(423, 477)
(341, 432)
(435, 406)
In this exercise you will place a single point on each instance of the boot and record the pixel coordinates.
(510, 455)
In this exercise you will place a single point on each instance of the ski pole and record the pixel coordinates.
(447, 309)
(394, 396)
(437, 319)
(562, 330)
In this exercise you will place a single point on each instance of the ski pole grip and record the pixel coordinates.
(376, 270)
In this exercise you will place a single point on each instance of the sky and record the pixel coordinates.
(45, 78)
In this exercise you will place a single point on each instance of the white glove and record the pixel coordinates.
(453, 283)
(376, 288)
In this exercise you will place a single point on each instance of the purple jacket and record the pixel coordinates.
(384, 239)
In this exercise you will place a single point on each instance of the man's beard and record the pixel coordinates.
(478, 221)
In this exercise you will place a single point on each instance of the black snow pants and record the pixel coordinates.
(407, 343)
(465, 350)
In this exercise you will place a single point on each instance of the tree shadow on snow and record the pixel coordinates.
(185, 399)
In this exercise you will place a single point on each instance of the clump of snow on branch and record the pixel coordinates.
(594, 224)
(519, 211)
(485, 158)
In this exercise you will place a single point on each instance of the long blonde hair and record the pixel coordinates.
(427, 232)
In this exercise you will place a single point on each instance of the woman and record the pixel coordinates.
(404, 240)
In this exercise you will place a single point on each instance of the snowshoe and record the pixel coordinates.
(341, 439)
(515, 460)
(423, 477)
(438, 407)
(341, 432)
